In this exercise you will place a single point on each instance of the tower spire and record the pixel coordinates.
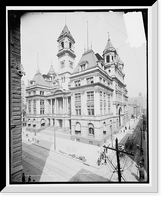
(87, 37)
(108, 36)
(65, 18)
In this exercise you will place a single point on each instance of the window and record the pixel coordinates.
(91, 129)
(83, 67)
(78, 97)
(34, 106)
(101, 104)
(104, 128)
(77, 83)
(103, 81)
(90, 80)
(41, 111)
(101, 108)
(42, 108)
(100, 79)
(90, 109)
(62, 44)
(107, 59)
(63, 79)
(70, 45)
(34, 92)
(62, 64)
(29, 107)
(78, 110)
(77, 128)
(41, 92)
(100, 96)
(90, 96)
(41, 102)
(70, 64)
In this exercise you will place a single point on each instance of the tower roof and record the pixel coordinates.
(65, 32)
(51, 71)
(109, 46)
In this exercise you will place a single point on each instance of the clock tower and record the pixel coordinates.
(66, 56)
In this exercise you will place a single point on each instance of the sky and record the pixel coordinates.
(39, 33)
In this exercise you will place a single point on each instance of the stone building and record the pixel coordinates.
(90, 99)
(98, 96)
(48, 97)
(15, 74)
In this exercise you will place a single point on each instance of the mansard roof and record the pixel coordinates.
(39, 80)
(65, 32)
(88, 57)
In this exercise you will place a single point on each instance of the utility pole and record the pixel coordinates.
(54, 138)
(118, 159)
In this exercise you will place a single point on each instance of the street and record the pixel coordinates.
(46, 161)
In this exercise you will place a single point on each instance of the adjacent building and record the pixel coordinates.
(89, 99)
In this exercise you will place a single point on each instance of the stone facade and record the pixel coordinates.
(15, 98)
(90, 100)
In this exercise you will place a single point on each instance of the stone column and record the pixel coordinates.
(62, 105)
(51, 106)
(67, 105)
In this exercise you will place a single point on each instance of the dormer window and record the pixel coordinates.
(83, 67)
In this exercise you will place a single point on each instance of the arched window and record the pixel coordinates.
(62, 44)
(104, 128)
(77, 128)
(70, 45)
(91, 129)
(107, 59)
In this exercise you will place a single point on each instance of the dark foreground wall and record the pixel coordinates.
(15, 75)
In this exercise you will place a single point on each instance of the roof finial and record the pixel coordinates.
(51, 63)
(87, 37)
(108, 36)
(91, 44)
(65, 18)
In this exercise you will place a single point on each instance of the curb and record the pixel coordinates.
(64, 154)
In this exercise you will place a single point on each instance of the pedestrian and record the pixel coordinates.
(98, 161)
(105, 161)
(29, 179)
(23, 177)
